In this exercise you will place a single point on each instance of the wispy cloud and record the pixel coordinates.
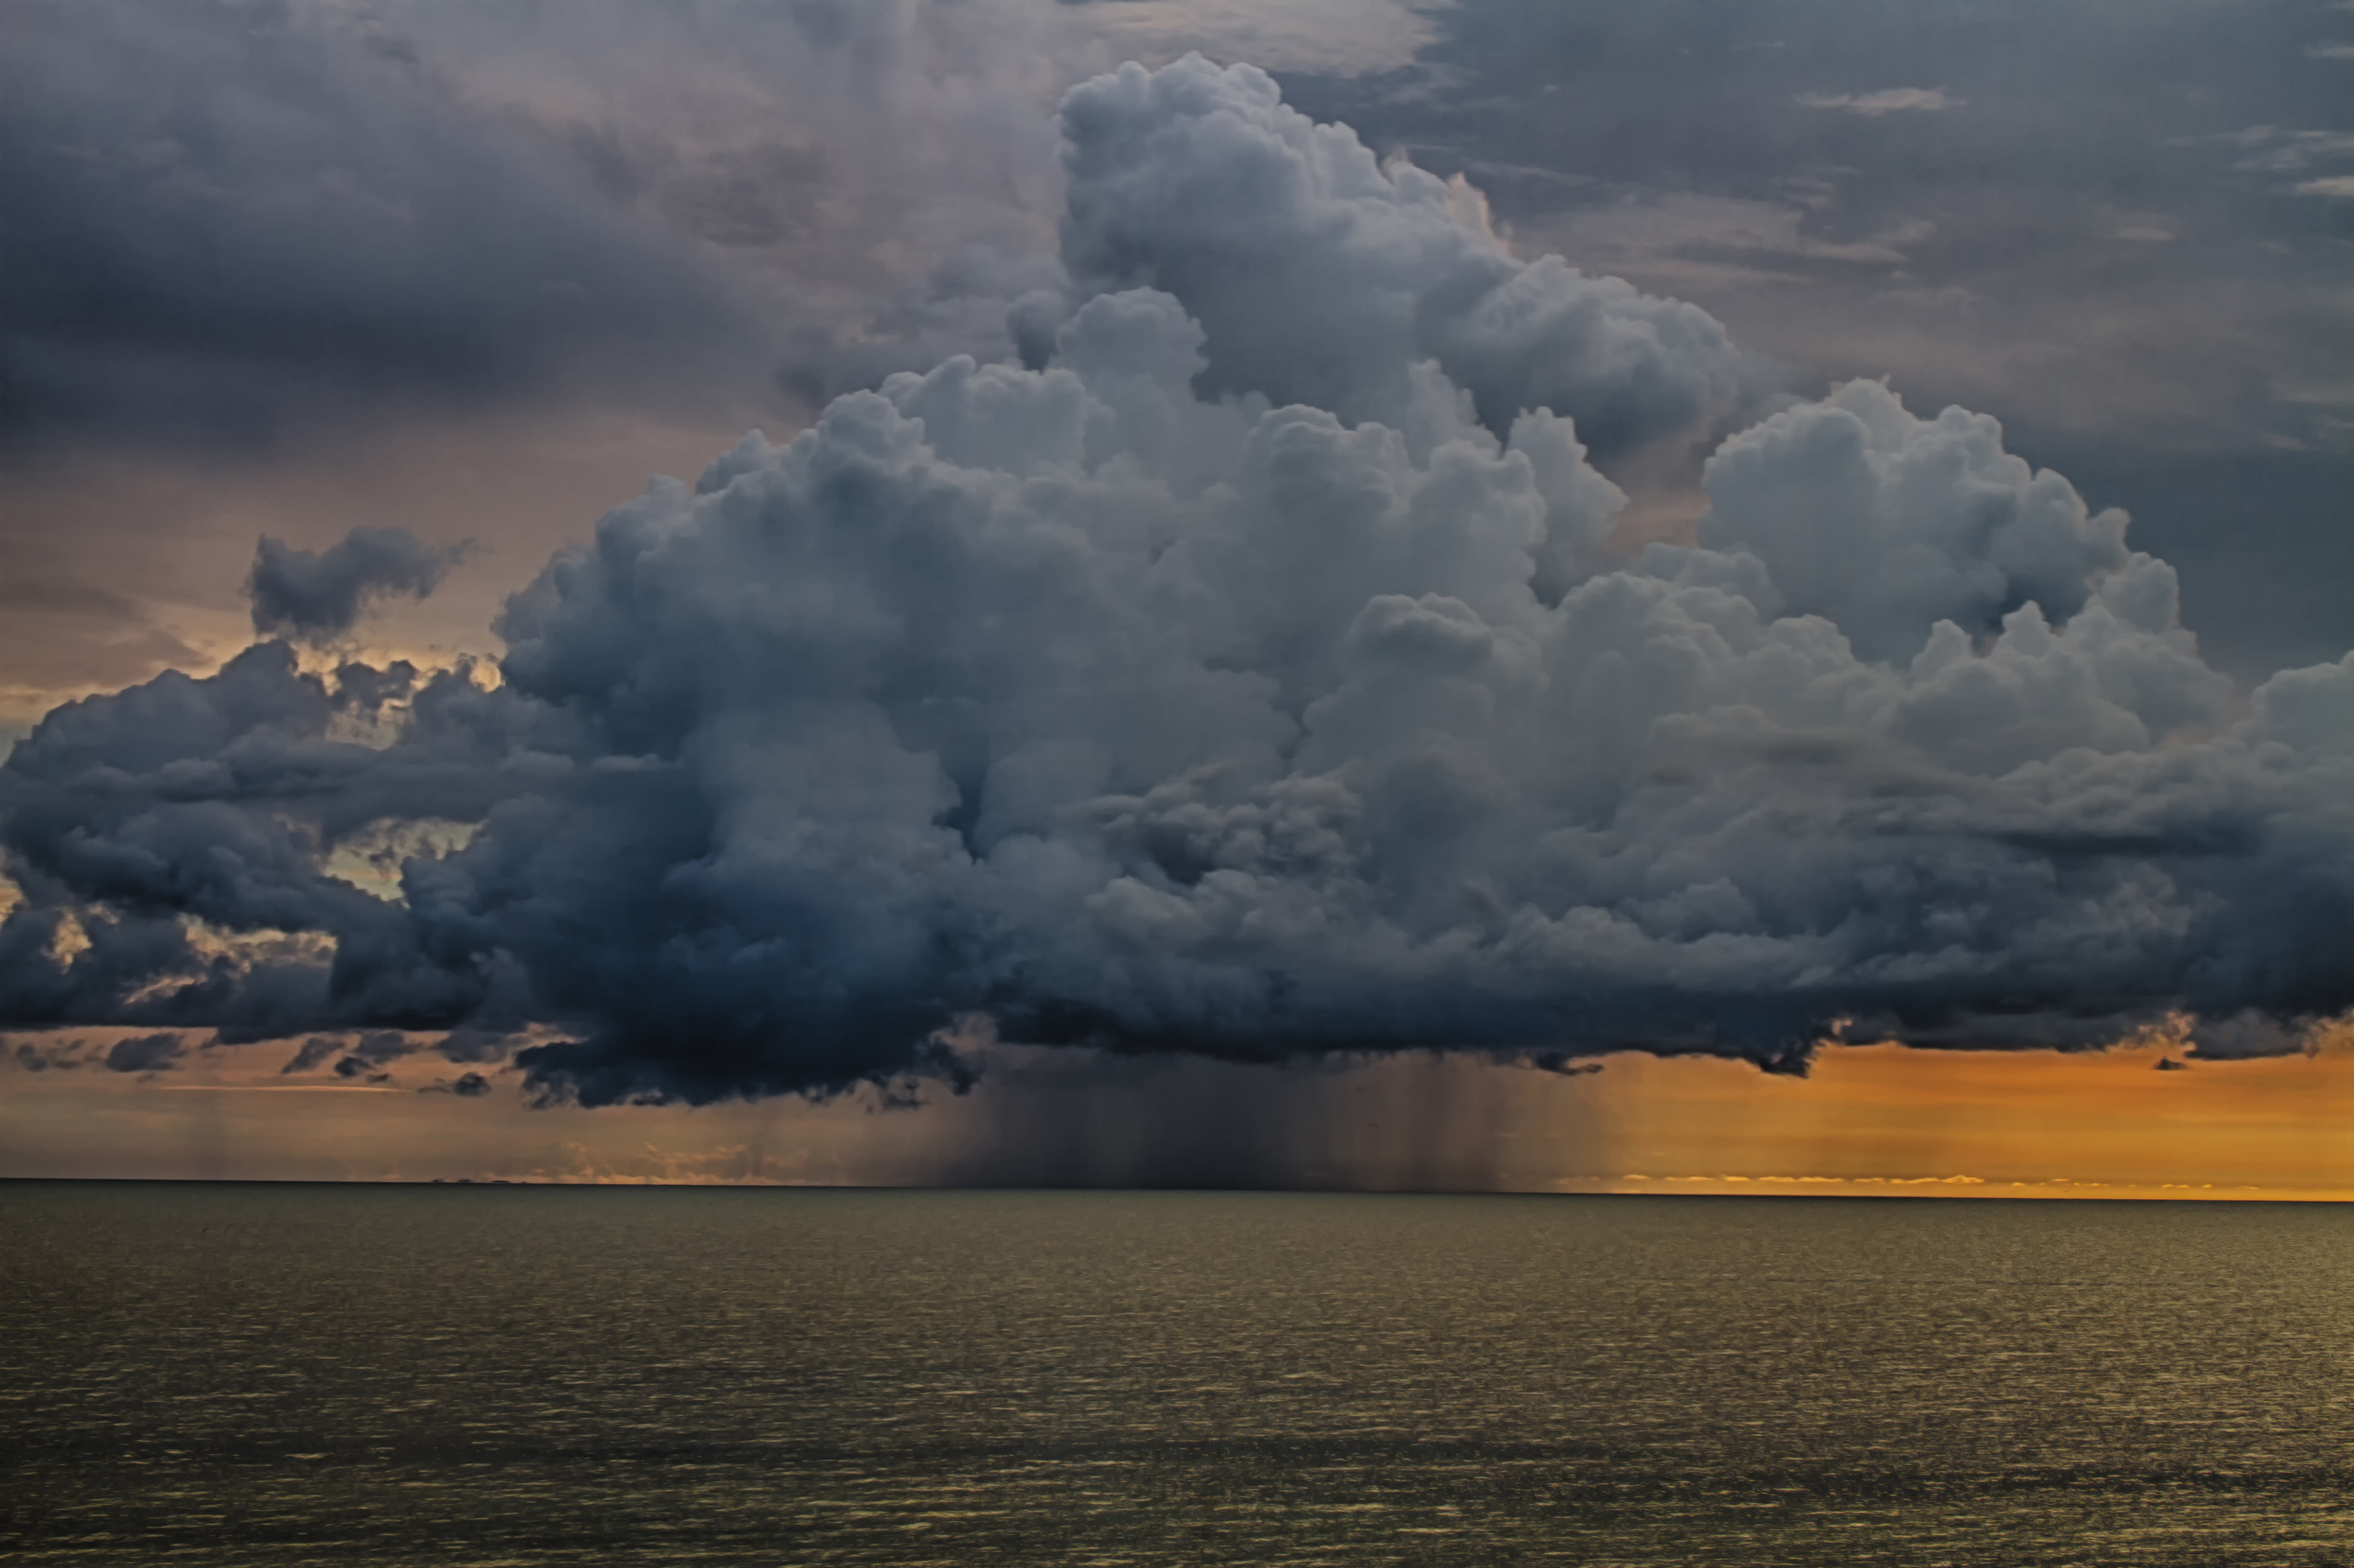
(2278, 151)
(2274, 147)
(1887, 100)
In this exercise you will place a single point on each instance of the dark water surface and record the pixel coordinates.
(249, 1375)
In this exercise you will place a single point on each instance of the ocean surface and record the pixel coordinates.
(230, 1374)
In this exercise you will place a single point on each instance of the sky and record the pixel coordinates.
(1629, 596)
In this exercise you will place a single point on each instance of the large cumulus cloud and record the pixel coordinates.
(1319, 275)
(1122, 703)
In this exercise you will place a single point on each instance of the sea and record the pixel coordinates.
(515, 1376)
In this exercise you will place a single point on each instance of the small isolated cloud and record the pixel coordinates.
(468, 1086)
(1887, 100)
(312, 1055)
(370, 1053)
(2146, 235)
(2333, 185)
(320, 595)
(361, 1055)
(2168, 1065)
(144, 1054)
(2331, 52)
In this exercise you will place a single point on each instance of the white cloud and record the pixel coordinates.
(1887, 100)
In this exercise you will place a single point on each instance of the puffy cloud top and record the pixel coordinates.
(1127, 712)
(1323, 276)
(1887, 525)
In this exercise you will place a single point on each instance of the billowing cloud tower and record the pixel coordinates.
(1252, 672)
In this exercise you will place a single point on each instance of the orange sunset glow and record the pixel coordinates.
(1882, 1118)
(1874, 1120)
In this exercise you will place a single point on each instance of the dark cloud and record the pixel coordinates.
(63, 1055)
(319, 594)
(144, 1054)
(225, 216)
(1128, 716)
(465, 1044)
(313, 1054)
(466, 1086)
(375, 1047)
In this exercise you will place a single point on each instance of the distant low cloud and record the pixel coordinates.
(144, 1054)
(313, 1054)
(1887, 100)
(63, 1055)
(2333, 185)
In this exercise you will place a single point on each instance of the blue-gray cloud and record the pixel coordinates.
(320, 595)
(1129, 713)
(144, 1054)
(1321, 277)
(2103, 236)
(225, 216)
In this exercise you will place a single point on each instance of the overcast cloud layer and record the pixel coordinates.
(1126, 700)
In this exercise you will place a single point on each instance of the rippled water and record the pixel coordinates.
(231, 1374)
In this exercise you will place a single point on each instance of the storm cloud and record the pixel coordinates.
(1192, 689)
